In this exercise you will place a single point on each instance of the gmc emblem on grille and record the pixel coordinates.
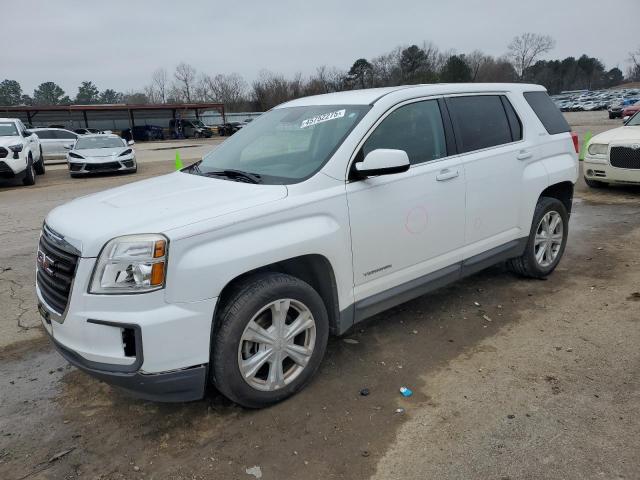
(45, 262)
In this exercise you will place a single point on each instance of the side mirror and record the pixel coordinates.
(131, 142)
(626, 119)
(383, 161)
(27, 133)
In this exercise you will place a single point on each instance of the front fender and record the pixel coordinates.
(201, 266)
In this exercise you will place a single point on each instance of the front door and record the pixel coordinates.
(407, 226)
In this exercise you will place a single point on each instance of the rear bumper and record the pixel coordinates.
(182, 385)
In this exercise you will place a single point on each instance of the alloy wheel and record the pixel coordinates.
(277, 344)
(548, 239)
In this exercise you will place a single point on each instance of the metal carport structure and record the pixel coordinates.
(56, 112)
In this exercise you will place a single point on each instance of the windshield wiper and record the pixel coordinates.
(237, 174)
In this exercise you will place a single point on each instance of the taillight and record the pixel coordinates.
(576, 143)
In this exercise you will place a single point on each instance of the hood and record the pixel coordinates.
(100, 152)
(156, 205)
(620, 134)
(7, 141)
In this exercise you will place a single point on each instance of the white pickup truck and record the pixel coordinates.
(319, 214)
(20, 152)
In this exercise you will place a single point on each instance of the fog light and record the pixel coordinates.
(589, 173)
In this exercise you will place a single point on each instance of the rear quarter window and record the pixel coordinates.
(552, 119)
(479, 122)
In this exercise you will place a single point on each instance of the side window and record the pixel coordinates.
(479, 122)
(415, 128)
(552, 119)
(44, 134)
(62, 135)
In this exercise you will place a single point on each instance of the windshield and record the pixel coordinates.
(8, 129)
(634, 121)
(98, 142)
(285, 145)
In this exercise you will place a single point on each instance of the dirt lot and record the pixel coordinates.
(548, 388)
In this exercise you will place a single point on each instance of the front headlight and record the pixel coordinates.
(598, 149)
(75, 155)
(131, 264)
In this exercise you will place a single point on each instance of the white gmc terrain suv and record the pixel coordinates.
(320, 213)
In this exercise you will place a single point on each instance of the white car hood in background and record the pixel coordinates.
(621, 134)
(155, 205)
(8, 141)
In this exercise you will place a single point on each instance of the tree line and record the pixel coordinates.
(403, 65)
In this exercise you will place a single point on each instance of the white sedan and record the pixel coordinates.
(101, 153)
(614, 156)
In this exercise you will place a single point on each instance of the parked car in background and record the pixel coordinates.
(615, 110)
(235, 270)
(631, 110)
(144, 133)
(87, 131)
(229, 128)
(101, 153)
(614, 156)
(54, 141)
(194, 128)
(20, 152)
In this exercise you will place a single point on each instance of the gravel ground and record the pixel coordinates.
(548, 388)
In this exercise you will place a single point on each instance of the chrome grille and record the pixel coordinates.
(625, 157)
(56, 268)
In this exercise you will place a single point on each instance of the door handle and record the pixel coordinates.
(524, 155)
(447, 174)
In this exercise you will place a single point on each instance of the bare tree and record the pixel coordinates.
(228, 89)
(160, 82)
(526, 49)
(633, 72)
(475, 60)
(185, 76)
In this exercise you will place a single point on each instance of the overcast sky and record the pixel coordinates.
(118, 44)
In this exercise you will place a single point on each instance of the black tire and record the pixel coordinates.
(30, 173)
(594, 183)
(247, 299)
(527, 265)
(39, 167)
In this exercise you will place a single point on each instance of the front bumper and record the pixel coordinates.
(81, 167)
(177, 386)
(604, 172)
(153, 349)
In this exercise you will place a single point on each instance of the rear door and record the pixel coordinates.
(408, 225)
(489, 136)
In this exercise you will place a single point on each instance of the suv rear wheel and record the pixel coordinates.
(270, 338)
(547, 240)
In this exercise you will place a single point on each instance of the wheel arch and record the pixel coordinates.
(562, 191)
(314, 269)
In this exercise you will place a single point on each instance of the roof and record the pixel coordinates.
(8, 119)
(371, 95)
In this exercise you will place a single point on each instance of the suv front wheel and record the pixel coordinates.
(271, 335)
(547, 240)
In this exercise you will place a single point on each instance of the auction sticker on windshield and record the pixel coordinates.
(325, 117)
